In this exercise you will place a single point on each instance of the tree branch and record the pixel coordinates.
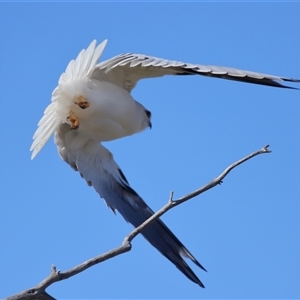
(39, 291)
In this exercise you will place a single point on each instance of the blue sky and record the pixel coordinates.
(245, 232)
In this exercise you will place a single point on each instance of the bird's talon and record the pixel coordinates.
(74, 121)
(82, 102)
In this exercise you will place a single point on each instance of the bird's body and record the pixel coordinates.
(110, 118)
(92, 103)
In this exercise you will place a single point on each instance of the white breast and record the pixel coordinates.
(112, 112)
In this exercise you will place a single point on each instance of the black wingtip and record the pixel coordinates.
(285, 87)
(265, 81)
(247, 79)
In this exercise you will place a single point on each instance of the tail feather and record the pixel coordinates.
(97, 166)
(157, 233)
(160, 236)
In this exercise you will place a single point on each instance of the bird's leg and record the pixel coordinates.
(82, 102)
(74, 120)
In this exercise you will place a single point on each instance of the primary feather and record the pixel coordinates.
(77, 72)
(112, 113)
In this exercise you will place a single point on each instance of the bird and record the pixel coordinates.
(92, 103)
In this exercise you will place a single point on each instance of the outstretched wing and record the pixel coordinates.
(97, 166)
(126, 69)
(56, 113)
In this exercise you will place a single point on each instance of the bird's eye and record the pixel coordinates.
(148, 113)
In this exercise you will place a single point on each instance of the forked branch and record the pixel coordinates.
(39, 291)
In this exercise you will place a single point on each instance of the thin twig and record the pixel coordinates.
(39, 291)
(172, 203)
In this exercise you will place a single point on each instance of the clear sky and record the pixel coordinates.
(246, 232)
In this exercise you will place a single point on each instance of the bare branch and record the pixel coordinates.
(39, 291)
(172, 203)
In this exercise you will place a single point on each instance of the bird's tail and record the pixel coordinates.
(136, 211)
(97, 166)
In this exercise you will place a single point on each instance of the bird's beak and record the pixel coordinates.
(150, 124)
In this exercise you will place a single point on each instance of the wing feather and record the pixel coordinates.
(88, 56)
(128, 68)
(78, 63)
(57, 112)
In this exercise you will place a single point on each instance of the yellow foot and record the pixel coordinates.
(74, 121)
(82, 102)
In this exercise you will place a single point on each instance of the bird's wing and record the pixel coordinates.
(126, 69)
(97, 166)
(56, 113)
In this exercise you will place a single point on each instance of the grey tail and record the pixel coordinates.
(136, 211)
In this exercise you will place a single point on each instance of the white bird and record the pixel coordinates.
(92, 103)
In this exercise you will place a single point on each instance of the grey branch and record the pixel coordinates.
(39, 291)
